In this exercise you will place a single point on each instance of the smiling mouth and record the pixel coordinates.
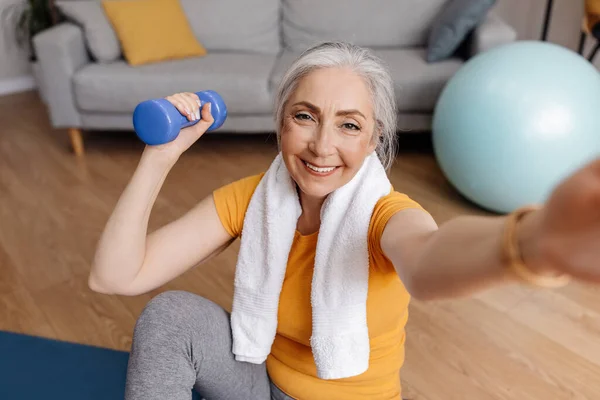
(317, 169)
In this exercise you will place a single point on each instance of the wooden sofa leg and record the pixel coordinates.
(76, 141)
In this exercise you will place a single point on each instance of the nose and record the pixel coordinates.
(322, 144)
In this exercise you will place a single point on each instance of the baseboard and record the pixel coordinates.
(21, 84)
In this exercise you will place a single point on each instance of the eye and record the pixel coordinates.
(302, 116)
(351, 126)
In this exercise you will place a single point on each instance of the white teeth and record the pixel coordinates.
(317, 169)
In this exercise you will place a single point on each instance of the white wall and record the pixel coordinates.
(526, 16)
(15, 73)
(566, 22)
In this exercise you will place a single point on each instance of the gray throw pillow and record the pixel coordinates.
(452, 26)
(100, 37)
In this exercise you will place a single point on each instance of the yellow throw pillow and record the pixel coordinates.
(152, 30)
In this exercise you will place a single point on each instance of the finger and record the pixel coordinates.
(207, 117)
(594, 188)
(194, 102)
(180, 104)
(582, 190)
(194, 98)
(206, 120)
(588, 169)
(191, 106)
(595, 166)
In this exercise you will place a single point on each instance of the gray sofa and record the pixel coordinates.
(249, 44)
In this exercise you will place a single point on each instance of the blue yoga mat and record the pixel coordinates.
(37, 368)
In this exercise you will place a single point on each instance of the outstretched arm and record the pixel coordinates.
(461, 256)
(465, 254)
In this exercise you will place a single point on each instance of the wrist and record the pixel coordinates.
(527, 233)
(159, 157)
(528, 239)
(522, 237)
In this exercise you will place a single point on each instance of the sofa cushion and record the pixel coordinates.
(375, 23)
(100, 38)
(284, 61)
(241, 79)
(453, 25)
(418, 84)
(143, 39)
(251, 26)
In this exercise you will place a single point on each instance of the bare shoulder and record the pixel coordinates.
(405, 233)
(407, 223)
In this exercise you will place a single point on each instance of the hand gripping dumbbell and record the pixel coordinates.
(157, 121)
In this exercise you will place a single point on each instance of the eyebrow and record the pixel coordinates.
(317, 110)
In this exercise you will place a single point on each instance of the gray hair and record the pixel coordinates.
(362, 61)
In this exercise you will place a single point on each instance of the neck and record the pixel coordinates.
(310, 220)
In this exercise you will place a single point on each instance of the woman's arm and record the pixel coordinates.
(460, 257)
(557, 242)
(128, 261)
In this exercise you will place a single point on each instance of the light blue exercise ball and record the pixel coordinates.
(515, 121)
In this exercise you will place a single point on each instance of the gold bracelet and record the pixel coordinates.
(514, 258)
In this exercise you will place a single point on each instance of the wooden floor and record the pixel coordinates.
(507, 343)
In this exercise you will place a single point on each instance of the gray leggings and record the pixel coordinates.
(183, 341)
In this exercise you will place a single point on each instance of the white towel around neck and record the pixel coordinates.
(340, 337)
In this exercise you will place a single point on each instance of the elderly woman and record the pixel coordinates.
(330, 253)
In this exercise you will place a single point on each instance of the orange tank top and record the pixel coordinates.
(291, 365)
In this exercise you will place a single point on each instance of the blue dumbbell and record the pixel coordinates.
(157, 121)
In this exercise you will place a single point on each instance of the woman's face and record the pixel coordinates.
(327, 131)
